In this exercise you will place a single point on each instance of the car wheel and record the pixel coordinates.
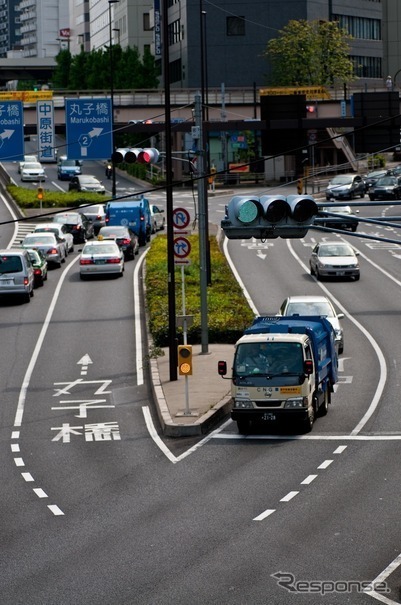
(244, 426)
(83, 277)
(362, 195)
(371, 197)
(31, 293)
(353, 228)
(318, 275)
(312, 272)
(357, 277)
(26, 297)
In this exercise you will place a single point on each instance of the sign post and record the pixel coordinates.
(182, 250)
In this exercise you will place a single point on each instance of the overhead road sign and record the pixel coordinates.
(11, 131)
(46, 131)
(89, 126)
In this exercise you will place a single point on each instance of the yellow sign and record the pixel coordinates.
(290, 390)
(311, 92)
(29, 96)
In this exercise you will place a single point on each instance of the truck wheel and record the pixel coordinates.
(324, 406)
(307, 424)
(243, 426)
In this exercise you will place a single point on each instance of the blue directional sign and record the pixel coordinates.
(11, 131)
(89, 128)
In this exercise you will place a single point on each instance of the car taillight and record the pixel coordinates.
(86, 261)
(113, 261)
(52, 251)
(125, 241)
(37, 272)
(26, 281)
(77, 227)
(98, 218)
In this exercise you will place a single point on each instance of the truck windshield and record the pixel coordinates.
(271, 358)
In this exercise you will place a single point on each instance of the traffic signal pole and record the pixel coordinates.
(203, 228)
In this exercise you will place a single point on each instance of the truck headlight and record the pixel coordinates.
(243, 404)
(296, 402)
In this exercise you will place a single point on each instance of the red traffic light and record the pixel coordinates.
(136, 154)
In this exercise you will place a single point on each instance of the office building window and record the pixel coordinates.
(146, 22)
(235, 26)
(174, 32)
(367, 67)
(360, 27)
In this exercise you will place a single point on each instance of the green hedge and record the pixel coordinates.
(228, 310)
(28, 198)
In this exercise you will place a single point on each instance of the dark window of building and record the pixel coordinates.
(146, 22)
(175, 71)
(174, 32)
(235, 26)
(367, 67)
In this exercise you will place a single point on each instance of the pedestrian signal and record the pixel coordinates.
(185, 360)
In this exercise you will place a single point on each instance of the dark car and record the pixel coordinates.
(338, 217)
(386, 188)
(371, 178)
(86, 183)
(126, 239)
(346, 187)
(77, 224)
(39, 264)
(66, 169)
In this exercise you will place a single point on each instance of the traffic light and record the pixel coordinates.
(269, 216)
(40, 194)
(130, 155)
(185, 360)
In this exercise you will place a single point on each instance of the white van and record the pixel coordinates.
(16, 273)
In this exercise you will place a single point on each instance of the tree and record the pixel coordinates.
(310, 53)
(91, 71)
(61, 75)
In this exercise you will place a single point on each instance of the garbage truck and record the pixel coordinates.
(284, 370)
(134, 214)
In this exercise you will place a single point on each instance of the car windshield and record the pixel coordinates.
(10, 264)
(268, 358)
(310, 308)
(67, 218)
(91, 210)
(41, 238)
(89, 179)
(68, 163)
(336, 250)
(113, 231)
(342, 180)
(47, 230)
(386, 180)
(340, 210)
(32, 166)
(104, 249)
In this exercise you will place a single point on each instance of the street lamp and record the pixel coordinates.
(113, 165)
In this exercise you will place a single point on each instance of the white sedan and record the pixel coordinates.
(33, 171)
(27, 158)
(101, 258)
(157, 217)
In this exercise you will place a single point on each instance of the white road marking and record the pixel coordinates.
(325, 464)
(40, 493)
(55, 510)
(137, 320)
(15, 447)
(27, 477)
(289, 496)
(382, 362)
(382, 578)
(308, 479)
(265, 514)
(340, 449)
(19, 462)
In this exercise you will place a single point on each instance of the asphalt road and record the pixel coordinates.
(93, 511)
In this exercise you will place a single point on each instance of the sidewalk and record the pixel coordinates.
(209, 398)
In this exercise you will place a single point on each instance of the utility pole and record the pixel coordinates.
(203, 227)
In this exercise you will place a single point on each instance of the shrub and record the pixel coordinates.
(28, 198)
(228, 310)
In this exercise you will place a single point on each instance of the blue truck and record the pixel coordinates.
(284, 369)
(134, 214)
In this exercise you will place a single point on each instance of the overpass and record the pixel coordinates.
(35, 69)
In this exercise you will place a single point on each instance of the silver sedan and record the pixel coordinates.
(334, 259)
(101, 258)
(50, 244)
